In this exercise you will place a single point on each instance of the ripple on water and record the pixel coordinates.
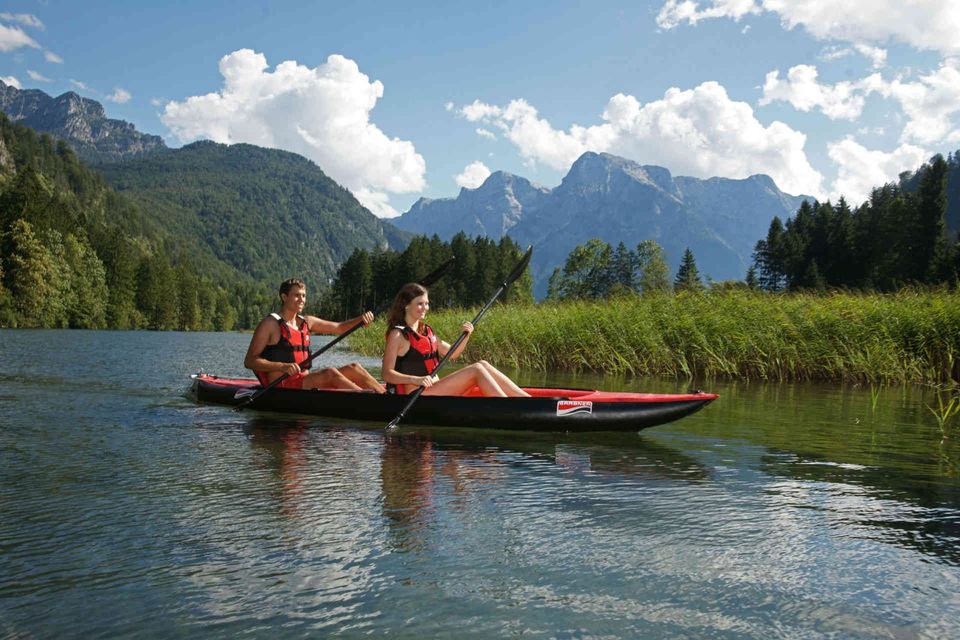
(127, 510)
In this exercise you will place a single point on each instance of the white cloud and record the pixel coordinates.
(473, 175)
(36, 76)
(486, 133)
(52, 57)
(13, 38)
(924, 24)
(157, 102)
(876, 55)
(25, 19)
(535, 138)
(79, 85)
(834, 52)
(674, 12)
(860, 169)
(698, 132)
(841, 101)
(120, 96)
(10, 81)
(931, 105)
(322, 113)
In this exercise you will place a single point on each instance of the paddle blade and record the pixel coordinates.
(436, 274)
(520, 268)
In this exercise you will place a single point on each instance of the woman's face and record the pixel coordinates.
(417, 308)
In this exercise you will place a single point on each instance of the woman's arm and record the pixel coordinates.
(443, 347)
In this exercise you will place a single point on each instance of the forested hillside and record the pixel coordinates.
(899, 237)
(75, 254)
(270, 214)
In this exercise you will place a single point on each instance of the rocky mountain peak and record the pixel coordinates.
(80, 121)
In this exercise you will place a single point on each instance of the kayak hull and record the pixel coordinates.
(573, 410)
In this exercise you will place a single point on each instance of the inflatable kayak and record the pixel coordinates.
(547, 409)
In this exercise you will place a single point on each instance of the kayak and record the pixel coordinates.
(573, 410)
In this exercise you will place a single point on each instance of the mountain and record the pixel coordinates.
(270, 214)
(614, 199)
(81, 122)
(489, 210)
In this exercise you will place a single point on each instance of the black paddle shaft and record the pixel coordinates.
(426, 281)
(517, 271)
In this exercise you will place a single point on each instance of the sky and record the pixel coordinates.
(398, 101)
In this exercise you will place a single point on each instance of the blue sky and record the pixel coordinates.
(402, 100)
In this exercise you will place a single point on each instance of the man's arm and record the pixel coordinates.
(319, 325)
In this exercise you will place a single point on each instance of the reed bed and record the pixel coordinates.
(910, 336)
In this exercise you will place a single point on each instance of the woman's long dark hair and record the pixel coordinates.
(396, 317)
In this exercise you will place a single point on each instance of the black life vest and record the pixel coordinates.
(420, 359)
(294, 346)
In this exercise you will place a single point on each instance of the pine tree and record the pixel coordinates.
(623, 270)
(688, 276)
(930, 239)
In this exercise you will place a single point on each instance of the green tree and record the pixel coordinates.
(87, 306)
(29, 275)
(930, 248)
(157, 293)
(688, 276)
(586, 273)
(654, 274)
(623, 270)
(188, 298)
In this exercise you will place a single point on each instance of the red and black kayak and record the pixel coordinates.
(547, 409)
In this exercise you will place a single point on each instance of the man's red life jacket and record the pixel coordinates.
(420, 359)
(294, 346)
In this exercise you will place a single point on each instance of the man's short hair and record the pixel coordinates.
(290, 283)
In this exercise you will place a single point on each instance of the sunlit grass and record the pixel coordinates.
(911, 336)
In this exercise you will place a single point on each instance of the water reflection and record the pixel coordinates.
(282, 442)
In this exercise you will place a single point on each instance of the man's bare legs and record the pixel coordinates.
(351, 376)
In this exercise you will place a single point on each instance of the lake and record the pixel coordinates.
(780, 510)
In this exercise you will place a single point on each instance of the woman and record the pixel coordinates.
(413, 352)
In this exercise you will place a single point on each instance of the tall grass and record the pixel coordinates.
(911, 336)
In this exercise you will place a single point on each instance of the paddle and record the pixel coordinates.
(426, 281)
(517, 270)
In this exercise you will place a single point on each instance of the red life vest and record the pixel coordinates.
(420, 359)
(294, 346)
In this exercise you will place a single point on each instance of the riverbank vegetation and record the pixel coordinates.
(908, 336)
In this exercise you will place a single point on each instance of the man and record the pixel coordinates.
(282, 341)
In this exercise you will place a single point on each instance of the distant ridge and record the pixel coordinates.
(615, 199)
(269, 213)
(80, 121)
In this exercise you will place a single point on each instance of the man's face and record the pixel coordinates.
(295, 298)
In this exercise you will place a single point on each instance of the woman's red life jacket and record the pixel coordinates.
(420, 359)
(294, 346)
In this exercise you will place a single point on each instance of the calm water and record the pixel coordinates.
(794, 511)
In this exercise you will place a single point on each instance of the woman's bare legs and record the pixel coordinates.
(459, 382)
(506, 384)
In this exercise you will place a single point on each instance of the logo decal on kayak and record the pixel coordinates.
(570, 407)
(243, 393)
